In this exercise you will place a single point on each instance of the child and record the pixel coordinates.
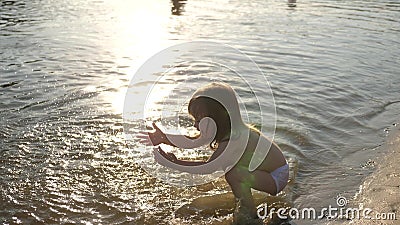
(215, 110)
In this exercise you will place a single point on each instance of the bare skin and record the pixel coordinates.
(239, 178)
(227, 133)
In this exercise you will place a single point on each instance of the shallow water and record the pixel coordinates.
(65, 67)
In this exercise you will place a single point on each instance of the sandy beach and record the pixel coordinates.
(380, 191)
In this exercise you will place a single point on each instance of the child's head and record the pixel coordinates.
(200, 107)
(217, 101)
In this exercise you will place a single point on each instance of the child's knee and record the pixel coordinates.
(236, 175)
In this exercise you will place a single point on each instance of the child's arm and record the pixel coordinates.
(195, 167)
(157, 137)
(207, 129)
(171, 157)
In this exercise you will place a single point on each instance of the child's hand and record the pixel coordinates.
(157, 137)
(152, 138)
(158, 153)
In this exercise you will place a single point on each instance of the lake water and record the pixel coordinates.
(65, 67)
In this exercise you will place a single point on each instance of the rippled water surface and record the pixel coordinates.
(65, 67)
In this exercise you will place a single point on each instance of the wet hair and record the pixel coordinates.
(207, 107)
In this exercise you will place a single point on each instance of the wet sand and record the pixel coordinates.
(381, 190)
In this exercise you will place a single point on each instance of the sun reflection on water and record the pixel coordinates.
(139, 30)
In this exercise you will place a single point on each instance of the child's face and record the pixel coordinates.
(196, 124)
(197, 119)
(198, 114)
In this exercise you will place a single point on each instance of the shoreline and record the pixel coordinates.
(380, 191)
